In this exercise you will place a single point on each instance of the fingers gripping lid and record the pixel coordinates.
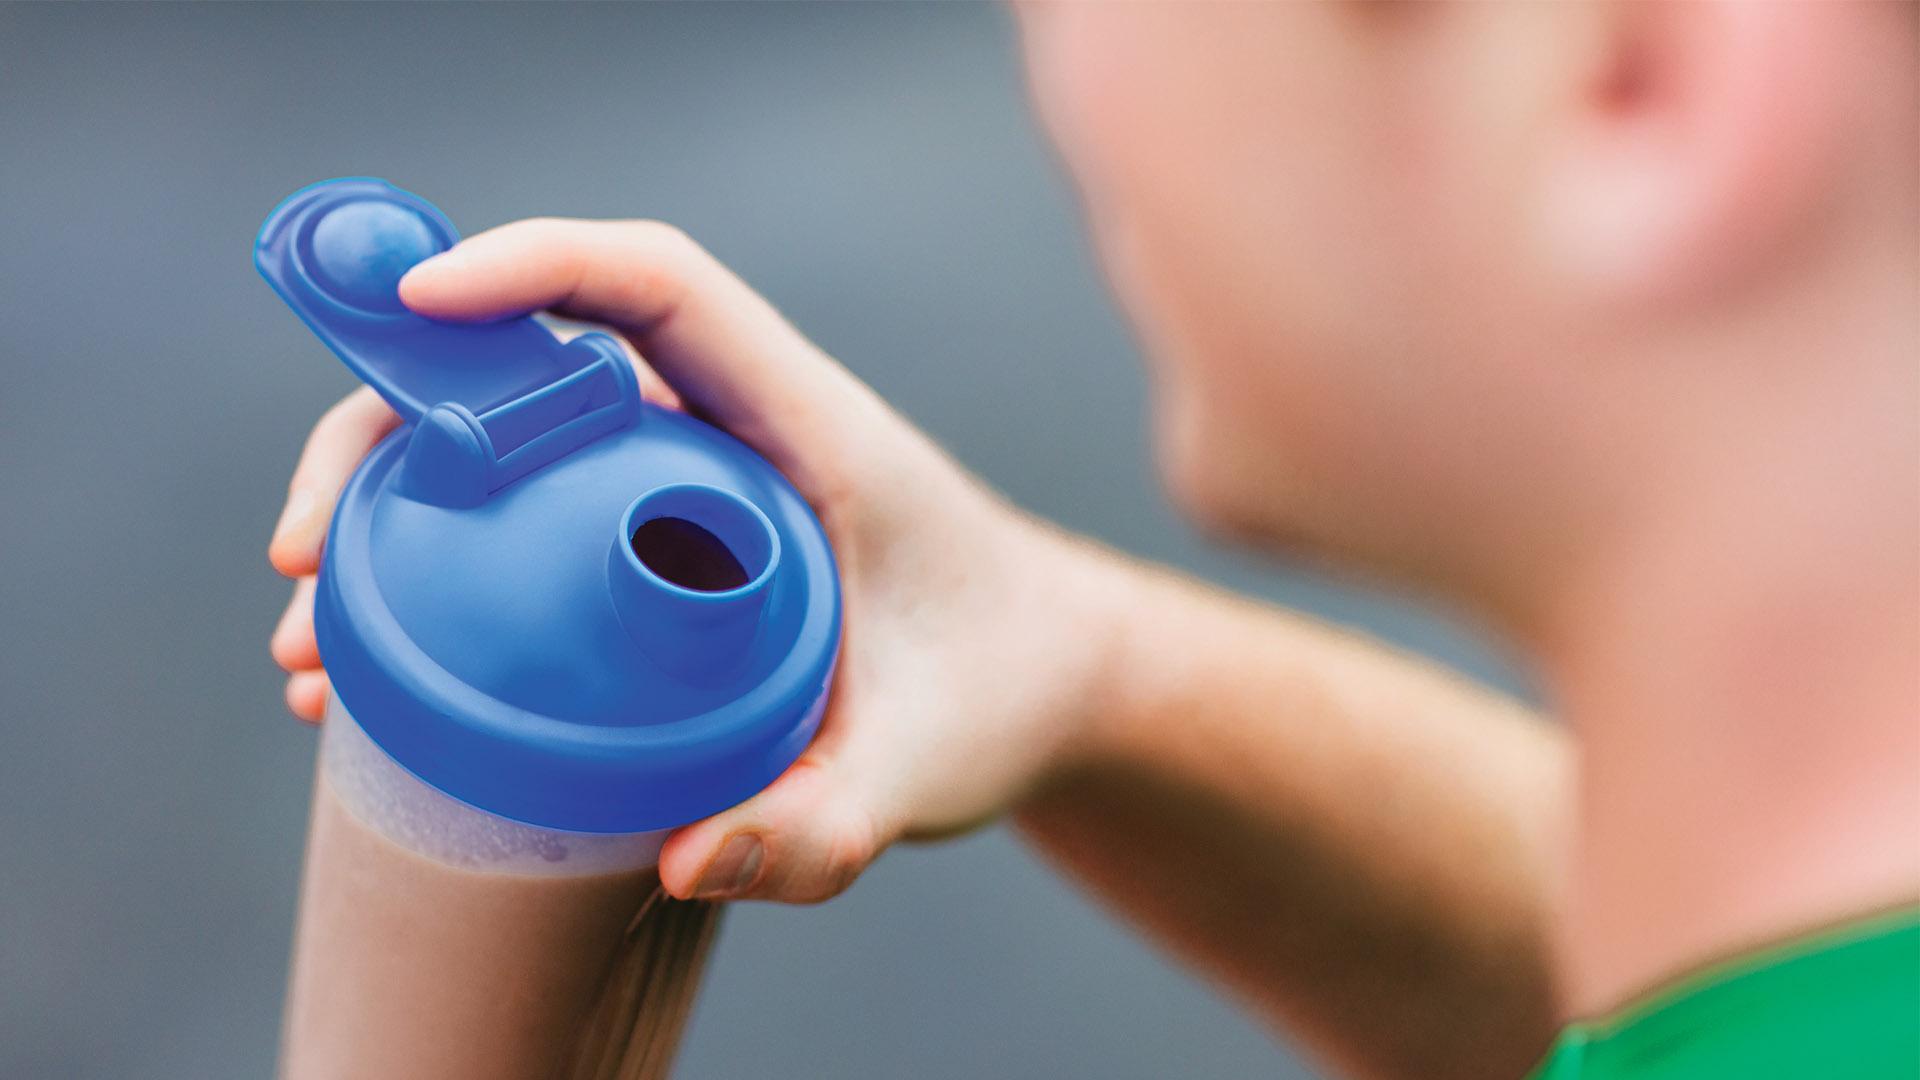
(541, 595)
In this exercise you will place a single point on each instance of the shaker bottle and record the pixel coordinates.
(559, 621)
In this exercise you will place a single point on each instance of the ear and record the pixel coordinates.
(1704, 140)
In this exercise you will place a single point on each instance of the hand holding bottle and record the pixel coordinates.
(974, 637)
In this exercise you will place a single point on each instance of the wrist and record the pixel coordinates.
(1095, 602)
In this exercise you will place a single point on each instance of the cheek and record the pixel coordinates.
(1231, 427)
(1200, 461)
(1242, 169)
(1249, 392)
(1195, 385)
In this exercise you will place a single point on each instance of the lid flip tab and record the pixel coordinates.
(492, 401)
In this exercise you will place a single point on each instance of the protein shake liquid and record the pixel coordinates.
(559, 622)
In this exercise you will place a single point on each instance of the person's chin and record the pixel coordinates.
(1241, 491)
(1212, 485)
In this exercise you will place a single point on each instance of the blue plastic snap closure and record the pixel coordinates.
(541, 595)
(362, 249)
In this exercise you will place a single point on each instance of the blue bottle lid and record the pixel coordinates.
(542, 595)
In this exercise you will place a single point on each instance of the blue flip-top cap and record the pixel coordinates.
(541, 595)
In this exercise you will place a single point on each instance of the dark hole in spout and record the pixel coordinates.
(687, 555)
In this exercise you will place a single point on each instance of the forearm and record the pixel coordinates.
(1360, 845)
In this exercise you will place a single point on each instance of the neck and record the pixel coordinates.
(1743, 672)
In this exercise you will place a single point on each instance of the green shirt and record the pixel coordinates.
(1843, 1004)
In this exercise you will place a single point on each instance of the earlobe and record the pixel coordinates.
(1699, 150)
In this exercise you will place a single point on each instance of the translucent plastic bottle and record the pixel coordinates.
(559, 622)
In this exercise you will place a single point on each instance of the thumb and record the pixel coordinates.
(801, 841)
(731, 357)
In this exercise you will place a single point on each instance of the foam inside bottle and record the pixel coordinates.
(387, 798)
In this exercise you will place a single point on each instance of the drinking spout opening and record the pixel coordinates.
(689, 573)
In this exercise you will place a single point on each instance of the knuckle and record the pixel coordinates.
(851, 846)
(342, 433)
(668, 247)
(342, 416)
(294, 651)
(337, 416)
(541, 228)
(653, 263)
(670, 239)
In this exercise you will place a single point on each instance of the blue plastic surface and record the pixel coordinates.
(482, 609)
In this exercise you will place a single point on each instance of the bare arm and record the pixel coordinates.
(1361, 846)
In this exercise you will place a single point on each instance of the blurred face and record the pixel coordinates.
(1321, 256)
(1472, 293)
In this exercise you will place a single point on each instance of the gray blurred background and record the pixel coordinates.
(873, 169)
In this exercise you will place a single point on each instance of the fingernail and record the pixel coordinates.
(733, 869)
(299, 505)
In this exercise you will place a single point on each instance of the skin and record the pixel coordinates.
(1597, 320)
